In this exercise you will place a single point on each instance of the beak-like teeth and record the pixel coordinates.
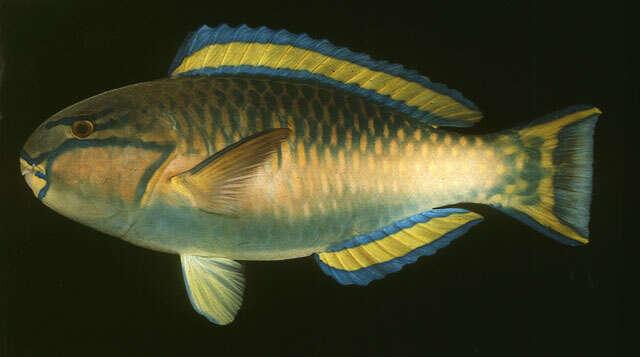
(25, 168)
(34, 176)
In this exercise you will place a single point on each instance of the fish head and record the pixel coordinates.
(92, 162)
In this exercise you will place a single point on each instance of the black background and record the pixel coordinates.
(68, 290)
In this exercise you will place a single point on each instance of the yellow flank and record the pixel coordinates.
(291, 124)
(307, 128)
(372, 129)
(334, 135)
(342, 163)
(328, 159)
(408, 150)
(378, 146)
(417, 135)
(349, 139)
(400, 134)
(363, 143)
(418, 171)
(313, 158)
(288, 57)
(424, 150)
(393, 148)
(397, 244)
(301, 154)
(320, 129)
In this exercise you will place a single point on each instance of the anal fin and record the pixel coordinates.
(215, 286)
(373, 256)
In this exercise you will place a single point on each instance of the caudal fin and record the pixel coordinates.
(559, 150)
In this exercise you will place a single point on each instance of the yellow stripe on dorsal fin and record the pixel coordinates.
(227, 51)
(372, 256)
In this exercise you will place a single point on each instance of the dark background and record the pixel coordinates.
(67, 290)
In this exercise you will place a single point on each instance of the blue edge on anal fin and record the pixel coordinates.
(224, 34)
(364, 276)
(526, 219)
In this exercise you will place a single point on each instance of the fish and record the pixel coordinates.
(265, 145)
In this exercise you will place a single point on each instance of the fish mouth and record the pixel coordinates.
(34, 175)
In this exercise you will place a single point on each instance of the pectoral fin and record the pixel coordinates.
(216, 185)
(215, 286)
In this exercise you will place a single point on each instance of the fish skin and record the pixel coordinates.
(349, 166)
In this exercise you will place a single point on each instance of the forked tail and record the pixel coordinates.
(552, 192)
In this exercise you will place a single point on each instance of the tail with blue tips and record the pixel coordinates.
(554, 161)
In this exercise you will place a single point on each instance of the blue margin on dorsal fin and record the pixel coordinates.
(224, 34)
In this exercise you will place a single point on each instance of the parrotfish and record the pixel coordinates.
(265, 145)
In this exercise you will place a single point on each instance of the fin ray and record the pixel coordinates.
(372, 256)
(215, 286)
(559, 207)
(216, 185)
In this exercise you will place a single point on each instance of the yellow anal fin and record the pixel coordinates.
(215, 286)
(218, 183)
(372, 256)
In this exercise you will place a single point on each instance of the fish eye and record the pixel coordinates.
(82, 128)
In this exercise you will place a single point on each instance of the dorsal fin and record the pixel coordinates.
(231, 51)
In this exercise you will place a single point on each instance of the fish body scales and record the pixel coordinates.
(349, 166)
